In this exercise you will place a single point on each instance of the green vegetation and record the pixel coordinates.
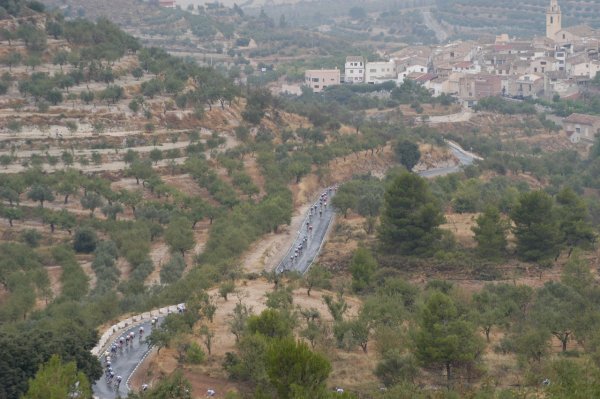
(410, 217)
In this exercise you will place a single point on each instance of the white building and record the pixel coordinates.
(381, 71)
(417, 68)
(354, 70)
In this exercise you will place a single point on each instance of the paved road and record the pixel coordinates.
(321, 223)
(315, 238)
(465, 158)
(124, 364)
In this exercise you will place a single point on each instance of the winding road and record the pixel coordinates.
(321, 223)
(464, 157)
(124, 364)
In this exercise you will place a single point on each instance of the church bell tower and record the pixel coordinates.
(553, 20)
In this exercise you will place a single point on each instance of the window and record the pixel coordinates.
(315, 79)
(578, 129)
(551, 20)
(316, 86)
(360, 71)
(563, 35)
(372, 70)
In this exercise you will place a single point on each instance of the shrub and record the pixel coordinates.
(85, 240)
(195, 354)
(31, 237)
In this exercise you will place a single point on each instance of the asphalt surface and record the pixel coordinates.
(128, 359)
(315, 238)
(321, 223)
(123, 364)
(464, 159)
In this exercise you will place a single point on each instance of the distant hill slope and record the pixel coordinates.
(516, 17)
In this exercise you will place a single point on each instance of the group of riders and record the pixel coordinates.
(315, 208)
(123, 342)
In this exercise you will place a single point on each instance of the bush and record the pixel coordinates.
(31, 237)
(173, 269)
(194, 354)
(85, 240)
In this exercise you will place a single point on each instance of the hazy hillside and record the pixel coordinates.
(515, 17)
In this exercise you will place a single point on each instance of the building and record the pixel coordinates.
(582, 127)
(529, 85)
(167, 3)
(381, 71)
(354, 70)
(418, 69)
(472, 88)
(466, 67)
(583, 68)
(319, 79)
(553, 20)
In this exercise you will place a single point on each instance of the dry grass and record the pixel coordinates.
(460, 225)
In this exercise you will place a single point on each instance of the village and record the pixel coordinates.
(561, 64)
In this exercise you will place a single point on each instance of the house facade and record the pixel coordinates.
(527, 85)
(354, 70)
(582, 127)
(472, 88)
(319, 79)
(380, 71)
(167, 3)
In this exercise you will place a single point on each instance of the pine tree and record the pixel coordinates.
(536, 227)
(490, 234)
(411, 217)
(572, 213)
(445, 339)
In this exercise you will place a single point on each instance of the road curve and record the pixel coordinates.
(124, 364)
(464, 157)
(128, 360)
(320, 224)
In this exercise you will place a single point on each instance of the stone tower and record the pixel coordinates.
(553, 20)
